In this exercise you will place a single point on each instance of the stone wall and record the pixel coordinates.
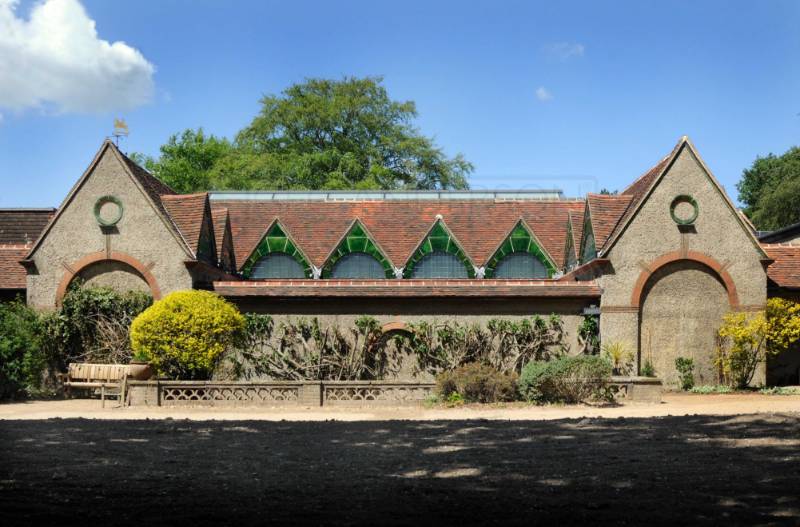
(343, 312)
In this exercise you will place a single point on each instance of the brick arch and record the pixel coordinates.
(676, 256)
(75, 268)
(397, 325)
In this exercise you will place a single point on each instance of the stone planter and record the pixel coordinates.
(140, 371)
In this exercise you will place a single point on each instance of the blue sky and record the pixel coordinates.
(576, 95)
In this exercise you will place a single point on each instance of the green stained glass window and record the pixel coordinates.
(275, 241)
(533, 262)
(357, 241)
(439, 241)
(440, 264)
(358, 265)
(277, 265)
(520, 265)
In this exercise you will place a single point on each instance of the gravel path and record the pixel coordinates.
(673, 404)
(688, 470)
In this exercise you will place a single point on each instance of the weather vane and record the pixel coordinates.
(120, 130)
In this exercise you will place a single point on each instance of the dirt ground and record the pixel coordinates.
(681, 470)
(673, 404)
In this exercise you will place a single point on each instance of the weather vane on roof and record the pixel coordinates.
(120, 130)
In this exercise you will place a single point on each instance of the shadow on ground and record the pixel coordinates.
(677, 470)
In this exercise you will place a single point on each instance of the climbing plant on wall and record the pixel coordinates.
(439, 239)
(520, 240)
(357, 240)
(276, 240)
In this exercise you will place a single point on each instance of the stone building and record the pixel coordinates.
(661, 261)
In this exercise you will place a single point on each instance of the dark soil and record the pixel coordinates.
(663, 471)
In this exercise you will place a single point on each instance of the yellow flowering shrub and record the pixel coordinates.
(783, 324)
(748, 339)
(184, 334)
(742, 347)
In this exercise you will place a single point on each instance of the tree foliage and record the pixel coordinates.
(319, 134)
(22, 361)
(770, 190)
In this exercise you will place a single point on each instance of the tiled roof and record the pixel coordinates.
(159, 192)
(219, 215)
(187, 211)
(605, 212)
(399, 226)
(12, 274)
(152, 185)
(785, 270)
(409, 288)
(638, 188)
(636, 191)
(23, 226)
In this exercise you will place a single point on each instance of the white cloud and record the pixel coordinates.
(56, 60)
(564, 50)
(543, 95)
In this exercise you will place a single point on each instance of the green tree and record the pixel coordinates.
(186, 160)
(770, 190)
(319, 134)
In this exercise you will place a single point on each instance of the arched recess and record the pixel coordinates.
(438, 240)
(521, 241)
(276, 240)
(681, 302)
(389, 361)
(73, 270)
(357, 241)
(714, 265)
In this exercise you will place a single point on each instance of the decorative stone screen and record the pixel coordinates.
(228, 394)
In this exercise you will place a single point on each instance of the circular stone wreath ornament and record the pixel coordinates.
(684, 210)
(108, 211)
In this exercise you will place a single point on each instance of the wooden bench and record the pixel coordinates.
(108, 378)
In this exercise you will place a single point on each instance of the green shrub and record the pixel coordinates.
(476, 383)
(620, 357)
(565, 379)
(780, 390)
(184, 334)
(648, 370)
(685, 367)
(711, 388)
(92, 325)
(589, 334)
(22, 361)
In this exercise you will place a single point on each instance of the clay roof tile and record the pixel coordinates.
(399, 226)
(187, 211)
(785, 270)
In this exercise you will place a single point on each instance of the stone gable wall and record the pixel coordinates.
(140, 233)
(716, 236)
